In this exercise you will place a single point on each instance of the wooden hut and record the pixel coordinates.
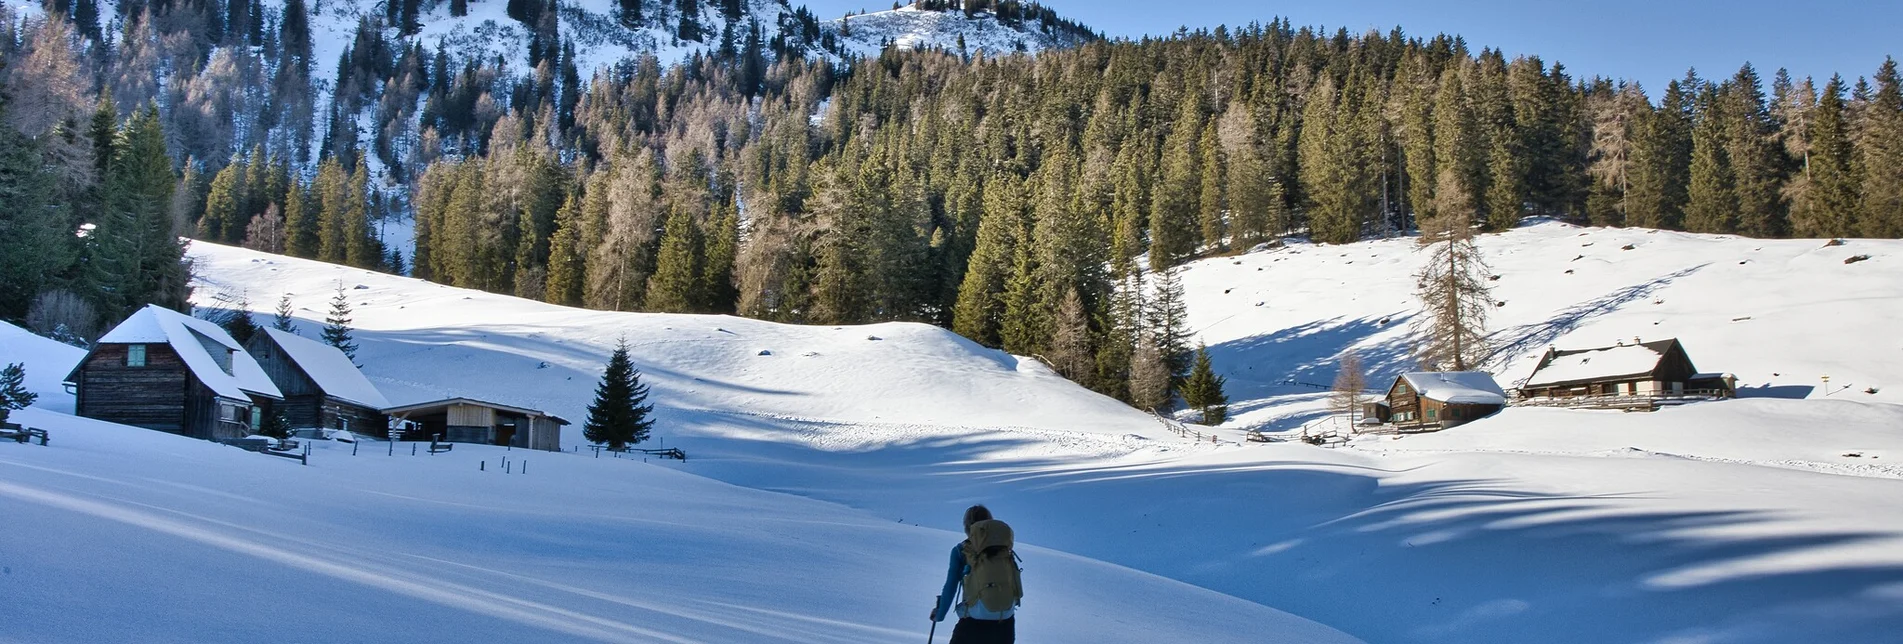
(1439, 400)
(1638, 369)
(466, 420)
(163, 370)
(322, 388)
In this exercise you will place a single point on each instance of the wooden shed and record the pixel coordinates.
(1640, 369)
(322, 389)
(1439, 400)
(466, 420)
(164, 370)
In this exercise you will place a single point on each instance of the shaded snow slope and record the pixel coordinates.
(135, 535)
(1780, 314)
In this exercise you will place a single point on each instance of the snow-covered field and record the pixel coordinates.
(838, 457)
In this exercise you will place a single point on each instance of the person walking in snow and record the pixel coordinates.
(984, 570)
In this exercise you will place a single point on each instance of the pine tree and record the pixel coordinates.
(1881, 214)
(238, 323)
(135, 256)
(1203, 390)
(619, 416)
(337, 331)
(677, 268)
(1713, 204)
(1212, 197)
(301, 234)
(566, 256)
(1167, 319)
(13, 391)
(37, 246)
(275, 425)
(1829, 208)
(1174, 203)
(282, 320)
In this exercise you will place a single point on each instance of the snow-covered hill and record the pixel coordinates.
(1780, 314)
(1755, 520)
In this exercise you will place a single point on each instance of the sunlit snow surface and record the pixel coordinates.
(839, 457)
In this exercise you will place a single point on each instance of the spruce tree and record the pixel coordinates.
(337, 331)
(567, 253)
(1881, 214)
(238, 323)
(282, 319)
(275, 425)
(1203, 390)
(37, 245)
(1713, 204)
(677, 268)
(13, 391)
(619, 416)
(1829, 207)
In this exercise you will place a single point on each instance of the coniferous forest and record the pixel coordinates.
(1033, 203)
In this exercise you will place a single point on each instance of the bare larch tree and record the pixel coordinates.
(1452, 327)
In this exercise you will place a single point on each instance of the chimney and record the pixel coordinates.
(1636, 340)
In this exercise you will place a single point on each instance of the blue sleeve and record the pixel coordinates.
(949, 593)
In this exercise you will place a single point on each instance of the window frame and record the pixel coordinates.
(136, 350)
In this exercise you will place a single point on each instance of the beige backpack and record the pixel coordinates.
(994, 577)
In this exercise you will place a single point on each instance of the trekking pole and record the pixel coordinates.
(933, 634)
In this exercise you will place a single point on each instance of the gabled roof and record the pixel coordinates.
(1618, 362)
(329, 368)
(1457, 387)
(446, 402)
(189, 336)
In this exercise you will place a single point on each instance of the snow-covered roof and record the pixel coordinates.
(329, 368)
(158, 325)
(1457, 387)
(446, 402)
(1596, 364)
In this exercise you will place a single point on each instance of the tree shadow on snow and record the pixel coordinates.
(1528, 338)
(1456, 560)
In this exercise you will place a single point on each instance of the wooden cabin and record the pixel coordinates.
(466, 420)
(1637, 369)
(1439, 400)
(164, 370)
(322, 389)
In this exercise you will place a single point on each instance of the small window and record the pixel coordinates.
(135, 355)
(1431, 413)
(257, 417)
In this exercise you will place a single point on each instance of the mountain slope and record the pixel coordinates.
(1779, 314)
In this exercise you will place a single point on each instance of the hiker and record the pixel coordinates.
(985, 570)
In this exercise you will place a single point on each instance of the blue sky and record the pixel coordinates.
(1652, 41)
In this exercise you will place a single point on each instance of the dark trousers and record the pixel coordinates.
(985, 631)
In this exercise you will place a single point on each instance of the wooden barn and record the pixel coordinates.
(1439, 400)
(1638, 369)
(466, 420)
(164, 370)
(322, 389)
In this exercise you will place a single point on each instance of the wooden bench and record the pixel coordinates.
(21, 434)
(671, 452)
